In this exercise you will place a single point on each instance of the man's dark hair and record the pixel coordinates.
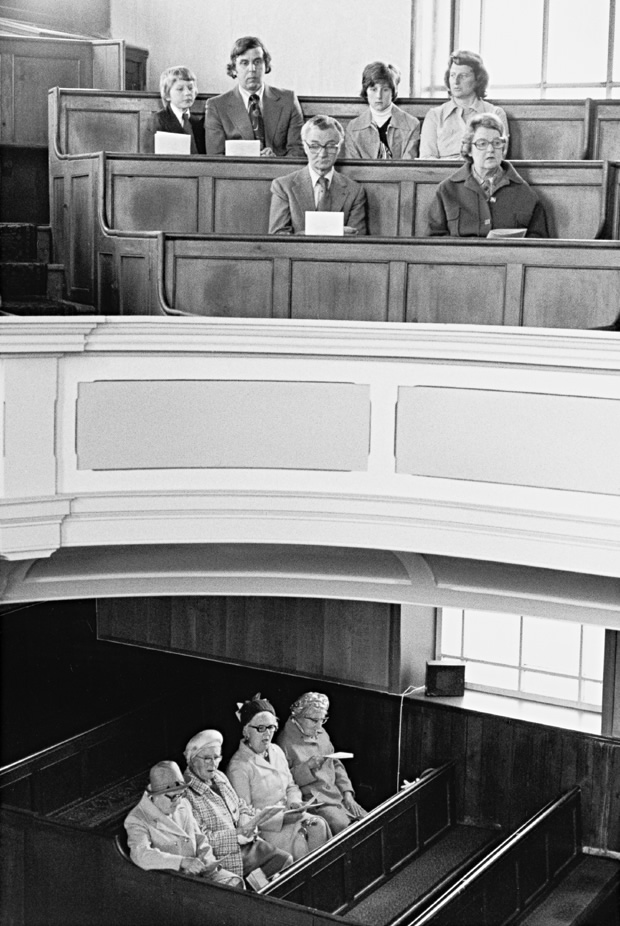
(240, 47)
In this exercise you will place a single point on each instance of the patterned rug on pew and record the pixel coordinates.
(106, 806)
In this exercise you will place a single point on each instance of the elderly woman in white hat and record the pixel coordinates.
(228, 822)
(162, 831)
(307, 748)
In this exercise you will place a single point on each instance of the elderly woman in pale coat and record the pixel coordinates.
(308, 749)
(260, 775)
(383, 131)
(162, 832)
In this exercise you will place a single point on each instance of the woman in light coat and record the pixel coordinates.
(260, 775)
(308, 748)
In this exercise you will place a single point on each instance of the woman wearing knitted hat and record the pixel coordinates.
(260, 775)
(308, 749)
(228, 822)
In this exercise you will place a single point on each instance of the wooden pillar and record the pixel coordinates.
(611, 685)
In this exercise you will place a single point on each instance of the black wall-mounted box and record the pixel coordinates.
(445, 678)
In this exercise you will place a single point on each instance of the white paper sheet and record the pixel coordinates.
(172, 143)
(242, 148)
(325, 223)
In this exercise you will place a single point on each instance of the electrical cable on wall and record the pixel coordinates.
(408, 691)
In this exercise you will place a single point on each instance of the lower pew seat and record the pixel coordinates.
(425, 877)
(588, 895)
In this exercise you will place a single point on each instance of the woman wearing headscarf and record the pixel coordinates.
(307, 747)
(384, 130)
(260, 775)
(227, 821)
(466, 79)
(162, 832)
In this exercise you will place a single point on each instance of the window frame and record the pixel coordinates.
(543, 89)
(519, 694)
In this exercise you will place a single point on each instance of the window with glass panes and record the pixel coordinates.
(534, 49)
(555, 661)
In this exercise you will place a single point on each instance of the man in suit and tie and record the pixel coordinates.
(254, 110)
(178, 88)
(317, 187)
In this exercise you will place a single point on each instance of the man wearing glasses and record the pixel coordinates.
(253, 109)
(162, 831)
(317, 187)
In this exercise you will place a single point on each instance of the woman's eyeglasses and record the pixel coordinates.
(263, 727)
(317, 720)
(481, 144)
(174, 797)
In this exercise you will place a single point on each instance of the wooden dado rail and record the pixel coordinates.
(513, 876)
(555, 284)
(231, 196)
(83, 121)
(364, 856)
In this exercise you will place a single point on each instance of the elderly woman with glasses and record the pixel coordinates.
(260, 775)
(466, 80)
(383, 131)
(486, 195)
(228, 822)
(308, 749)
(162, 831)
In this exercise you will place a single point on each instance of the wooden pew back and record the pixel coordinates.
(229, 196)
(539, 129)
(85, 121)
(551, 284)
(517, 873)
(364, 856)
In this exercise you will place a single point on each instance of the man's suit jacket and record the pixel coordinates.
(166, 121)
(292, 196)
(226, 117)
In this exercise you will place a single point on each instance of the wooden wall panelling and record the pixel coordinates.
(354, 642)
(30, 66)
(509, 768)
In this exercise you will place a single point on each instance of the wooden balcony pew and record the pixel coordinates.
(125, 193)
(83, 121)
(513, 878)
(357, 866)
(232, 195)
(552, 284)
(64, 875)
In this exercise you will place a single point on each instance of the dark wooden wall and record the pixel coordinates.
(344, 641)
(55, 674)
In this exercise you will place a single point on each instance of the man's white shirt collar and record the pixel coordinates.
(245, 96)
(315, 177)
(178, 112)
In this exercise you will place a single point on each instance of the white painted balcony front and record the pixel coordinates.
(149, 453)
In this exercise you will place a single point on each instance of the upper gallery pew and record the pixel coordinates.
(83, 121)
(552, 284)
